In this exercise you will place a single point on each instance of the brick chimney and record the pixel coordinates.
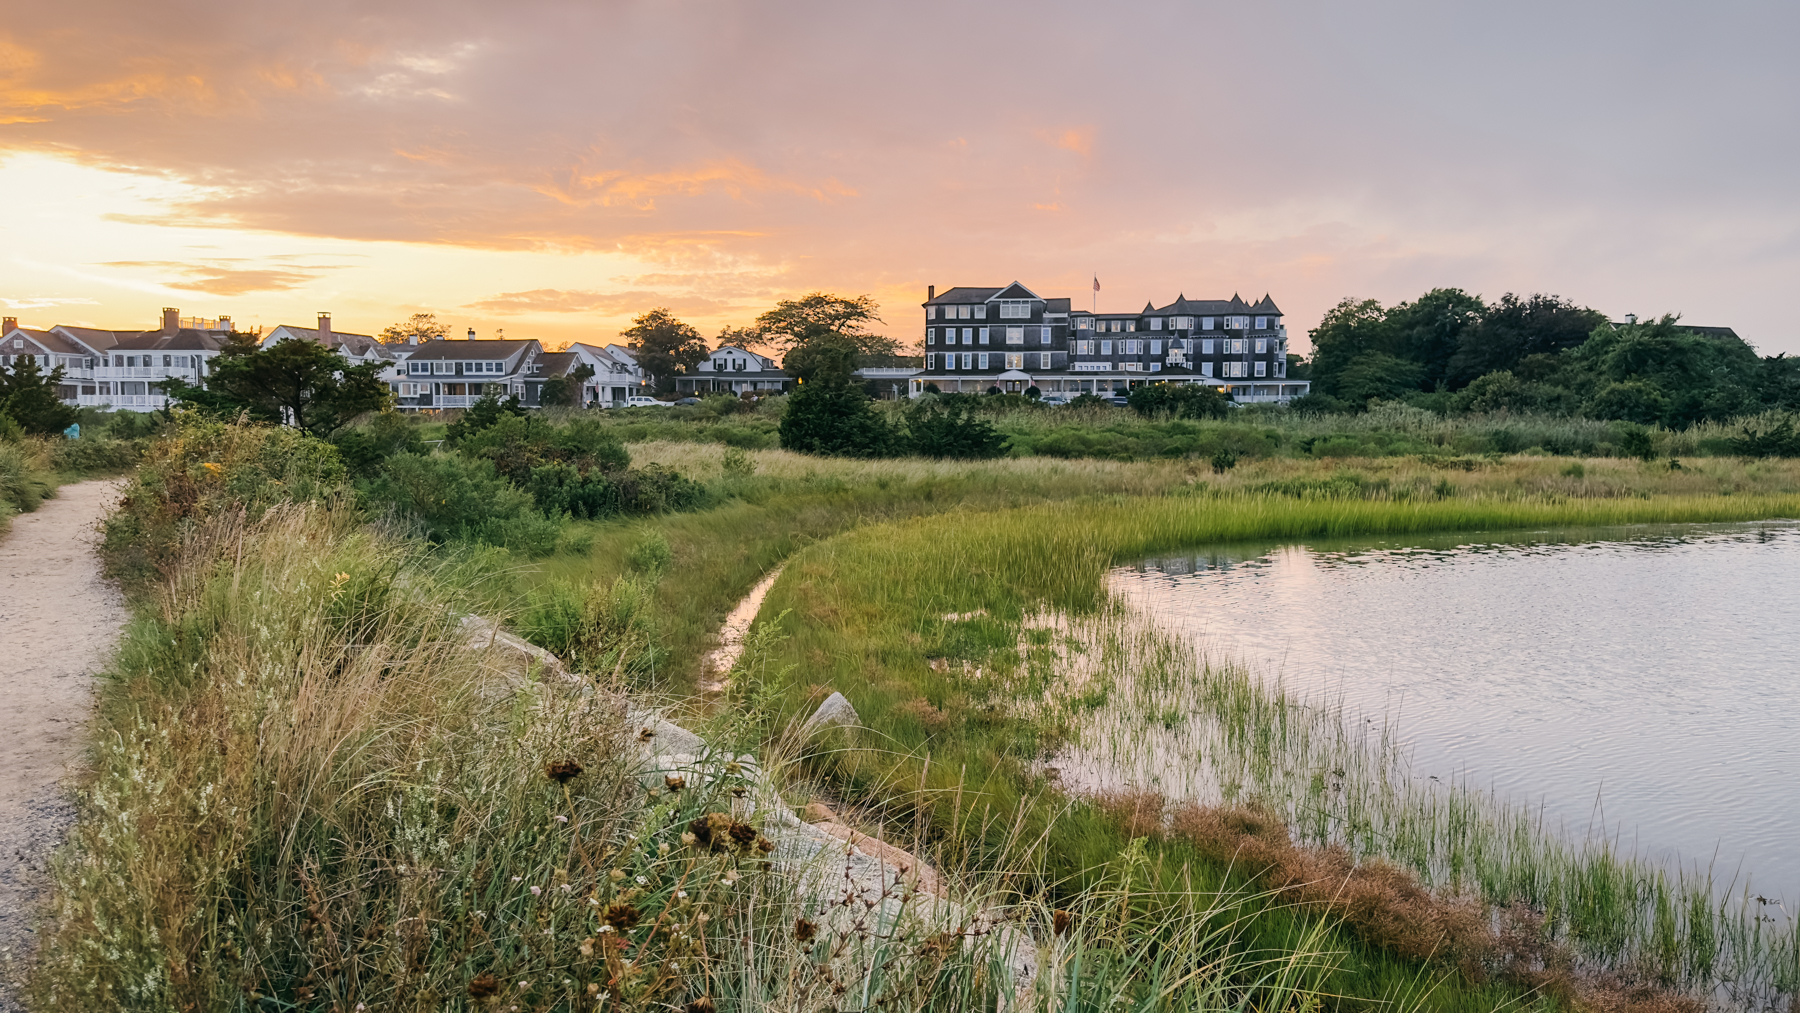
(224, 323)
(471, 334)
(324, 328)
(171, 321)
(8, 324)
(930, 292)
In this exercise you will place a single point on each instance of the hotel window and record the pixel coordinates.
(1206, 323)
(981, 311)
(1156, 323)
(981, 360)
(1043, 360)
(1015, 360)
(966, 360)
(1105, 348)
(1156, 347)
(1015, 309)
(968, 335)
(1044, 335)
(931, 335)
(1084, 348)
(1131, 325)
(1262, 368)
(1262, 323)
(931, 312)
(930, 361)
(1084, 323)
(1262, 345)
(1015, 335)
(1206, 369)
(984, 335)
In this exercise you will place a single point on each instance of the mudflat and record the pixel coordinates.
(59, 619)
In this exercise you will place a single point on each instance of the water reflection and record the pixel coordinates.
(1642, 680)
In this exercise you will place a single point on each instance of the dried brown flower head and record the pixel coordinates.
(563, 771)
(646, 733)
(674, 782)
(700, 1005)
(805, 930)
(621, 916)
(1060, 921)
(743, 833)
(483, 986)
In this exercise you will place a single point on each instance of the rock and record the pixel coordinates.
(517, 653)
(818, 812)
(835, 712)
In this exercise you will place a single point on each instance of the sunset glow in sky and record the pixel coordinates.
(554, 169)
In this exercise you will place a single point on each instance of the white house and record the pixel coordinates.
(119, 369)
(733, 369)
(617, 374)
(456, 374)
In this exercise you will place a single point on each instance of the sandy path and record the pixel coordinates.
(736, 628)
(58, 621)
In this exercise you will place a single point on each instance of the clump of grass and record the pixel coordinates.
(25, 476)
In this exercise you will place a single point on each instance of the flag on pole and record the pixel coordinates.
(1096, 283)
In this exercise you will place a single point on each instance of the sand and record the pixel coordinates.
(58, 622)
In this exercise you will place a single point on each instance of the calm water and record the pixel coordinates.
(1644, 680)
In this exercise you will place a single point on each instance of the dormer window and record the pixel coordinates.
(1015, 309)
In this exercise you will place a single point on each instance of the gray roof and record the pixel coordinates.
(50, 341)
(360, 345)
(185, 340)
(962, 294)
(480, 349)
(556, 363)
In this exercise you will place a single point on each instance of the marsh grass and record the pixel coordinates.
(927, 625)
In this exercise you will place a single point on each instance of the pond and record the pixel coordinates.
(1640, 682)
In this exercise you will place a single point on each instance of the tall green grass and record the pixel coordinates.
(964, 733)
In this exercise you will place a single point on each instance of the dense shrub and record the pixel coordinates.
(452, 497)
(949, 427)
(835, 419)
(23, 481)
(518, 445)
(1179, 400)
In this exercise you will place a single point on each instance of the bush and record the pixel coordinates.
(650, 555)
(1178, 400)
(1767, 436)
(837, 420)
(948, 427)
(485, 412)
(23, 483)
(454, 498)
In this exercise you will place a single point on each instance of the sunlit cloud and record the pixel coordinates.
(218, 278)
(550, 300)
(46, 302)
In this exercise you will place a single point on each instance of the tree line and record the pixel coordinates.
(1451, 351)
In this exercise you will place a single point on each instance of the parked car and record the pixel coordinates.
(688, 400)
(1057, 397)
(645, 402)
(1123, 402)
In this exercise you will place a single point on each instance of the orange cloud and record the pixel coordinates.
(1080, 140)
(731, 176)
(551, 300)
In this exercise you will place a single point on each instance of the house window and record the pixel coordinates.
(931, 335)
(1043, 360)
(1084, 323)
(984, 335)
(1015, 335)
(1131, 325)
(1044, 335)
(1206, 323)
(1015, 309)
(1281, 368)
(1262, 368)
(1106, 347)
(1156, 323)
(1015, 360)
(967, 361)
(981, 360)
(1262, 345)
(981, 311)
(1156, 347)
(930, 360)
(931, 312)
(962, 313)
(968, 335)
(1262, 323)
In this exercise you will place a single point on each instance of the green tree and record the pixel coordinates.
(565, 390)
(830, 358)
(485, 413)
(1430, 329)
(664, 346)
(837, 419)
(420, 327)
(949, 427)
(28, 397)
(795, 322)
(1375, 374)
(1515, 328)
(1349, 329)
(297, 382)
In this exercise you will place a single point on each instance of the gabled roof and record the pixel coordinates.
(556, 363)
(50, 341)
(962, 294)
(1149, 307)
(360, 345)
(185, 340)
(440, 349)
(1015, 291)
(765, 361)
(94, 337)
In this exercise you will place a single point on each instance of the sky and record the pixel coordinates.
(553, 169)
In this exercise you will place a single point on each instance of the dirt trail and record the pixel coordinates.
(736, 628)
(58, 621)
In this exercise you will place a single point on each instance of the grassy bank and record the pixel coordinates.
(32, 468)
(309, 791)
(935, 628)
